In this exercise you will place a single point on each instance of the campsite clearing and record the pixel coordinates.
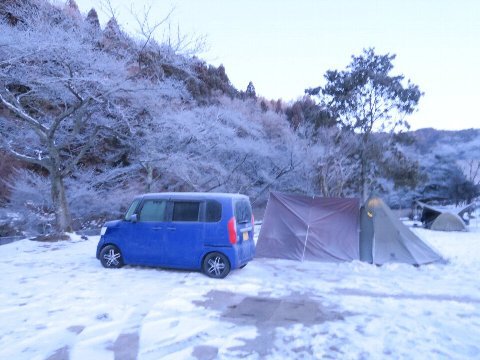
(56, 302)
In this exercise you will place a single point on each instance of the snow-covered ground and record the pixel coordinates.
(57, 302)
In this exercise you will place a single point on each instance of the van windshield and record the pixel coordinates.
(131, 209)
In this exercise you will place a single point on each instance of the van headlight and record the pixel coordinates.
(103, 230)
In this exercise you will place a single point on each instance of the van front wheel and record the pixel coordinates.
(216, 265)
(111, 257)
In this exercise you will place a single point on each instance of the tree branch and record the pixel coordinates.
(17, 110)
(144, 26)
(45, 162)
(283, 171)
(228, 177)
(66, 114)
(70, 167)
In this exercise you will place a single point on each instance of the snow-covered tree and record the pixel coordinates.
(230, 146)
(63, 93)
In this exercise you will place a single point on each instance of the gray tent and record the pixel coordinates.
(385, 239)
(300, 227)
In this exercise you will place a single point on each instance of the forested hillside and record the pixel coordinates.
(449, 164)
(91, 116)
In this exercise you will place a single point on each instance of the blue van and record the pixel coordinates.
(211, 232)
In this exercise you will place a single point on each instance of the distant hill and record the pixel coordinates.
(449, 162)
(461, 144)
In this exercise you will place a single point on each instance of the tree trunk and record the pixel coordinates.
(60, 204)
(149, 180)
(323, 185)
(363, 177)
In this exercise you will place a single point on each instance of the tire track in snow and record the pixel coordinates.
(432, 297)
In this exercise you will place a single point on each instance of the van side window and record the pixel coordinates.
(213, 211)
(185, 211)
(153, 210)
(243, 212)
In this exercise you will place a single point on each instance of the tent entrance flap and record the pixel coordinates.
(366, 236)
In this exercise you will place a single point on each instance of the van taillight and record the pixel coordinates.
(253, 220)
(232, 230)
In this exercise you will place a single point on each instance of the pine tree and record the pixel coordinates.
(250, 92)
(366, 98)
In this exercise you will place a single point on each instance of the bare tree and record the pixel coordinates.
(336, 164)
(60, 93)
(471, 169)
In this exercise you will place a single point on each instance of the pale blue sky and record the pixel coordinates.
(287, 46)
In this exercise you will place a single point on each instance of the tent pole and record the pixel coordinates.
(305, 244)
(308, 228)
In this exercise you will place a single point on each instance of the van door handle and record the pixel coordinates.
(157, 228)
(171, 228)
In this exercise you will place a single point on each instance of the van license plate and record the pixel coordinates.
(245, 235)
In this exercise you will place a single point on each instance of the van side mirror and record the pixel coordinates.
(134, 218)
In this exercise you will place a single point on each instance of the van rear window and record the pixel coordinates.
(243, 211)
(185, 211)
(213, 211)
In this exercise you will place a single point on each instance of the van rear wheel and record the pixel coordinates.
(216, 265)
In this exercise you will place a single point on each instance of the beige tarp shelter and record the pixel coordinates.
(299, 227)
(441, 219)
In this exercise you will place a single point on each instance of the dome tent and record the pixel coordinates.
(448, 222)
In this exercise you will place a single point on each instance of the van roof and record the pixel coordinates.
(191, 195)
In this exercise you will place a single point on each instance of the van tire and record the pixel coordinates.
(216, 265)
(111, 257)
